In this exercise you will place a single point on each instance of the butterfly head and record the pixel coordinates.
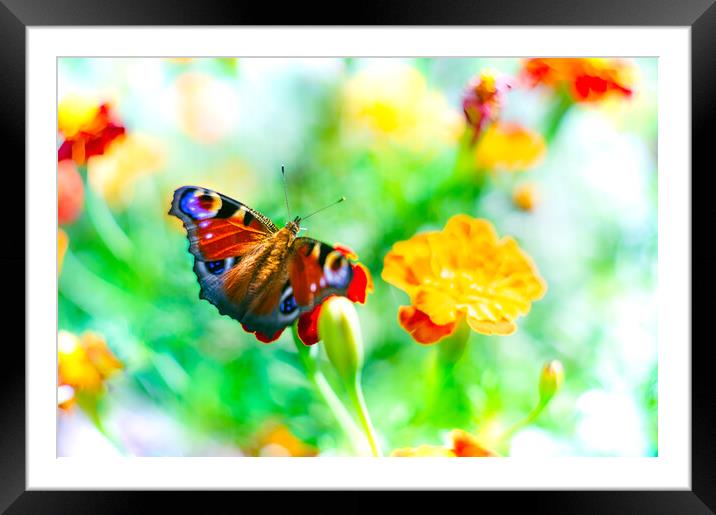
(294, 225)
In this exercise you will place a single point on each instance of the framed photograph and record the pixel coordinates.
(329, 258)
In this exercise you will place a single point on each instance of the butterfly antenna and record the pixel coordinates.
(285, 191)
(324, 208)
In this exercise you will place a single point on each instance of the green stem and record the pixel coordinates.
(539, 408)
(355, 392)
(90, 405)
(107, 227)
(451, 348)
(321, 385)
(561, 107)
(440, 370)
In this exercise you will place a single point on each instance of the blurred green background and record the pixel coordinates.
(193, 383)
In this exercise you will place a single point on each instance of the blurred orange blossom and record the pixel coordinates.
(276, 439)
(463, 272)
(84, 362)
(114, 173)
(588, 79)
(464, 445)
(526, 196)
(509, 146)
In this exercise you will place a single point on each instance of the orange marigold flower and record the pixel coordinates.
(509, 146)
(464, 445)
(463, 272)
(85, 362)
(588, 79)
(88, 128)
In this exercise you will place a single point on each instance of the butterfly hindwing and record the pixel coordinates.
(292, 280)
(317, 270)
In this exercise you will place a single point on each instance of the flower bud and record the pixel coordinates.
(483, 100)
(525, 196)
(339, 328)
(550, 380)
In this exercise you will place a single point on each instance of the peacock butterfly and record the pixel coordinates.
(258, 274)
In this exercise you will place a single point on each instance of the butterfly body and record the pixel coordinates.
(260, 275)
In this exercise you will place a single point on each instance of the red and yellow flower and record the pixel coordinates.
(462, 273)
(587, 79)
(87, 126)
(497, 144)
(84, 364)
(463, 445)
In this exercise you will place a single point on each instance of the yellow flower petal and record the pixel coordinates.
(440, 306)
(408, 263)
(74, 112)
(489, 327)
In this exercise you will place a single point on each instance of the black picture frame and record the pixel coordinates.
(16, 15)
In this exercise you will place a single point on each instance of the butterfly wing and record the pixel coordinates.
(225, 236)
(217, 226)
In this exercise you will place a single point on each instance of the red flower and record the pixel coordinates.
(483, 100)
(87, 133)
(70, 192)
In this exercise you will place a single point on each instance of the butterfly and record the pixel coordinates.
(258, 274)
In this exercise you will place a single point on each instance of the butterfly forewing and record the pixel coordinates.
(217, 226)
